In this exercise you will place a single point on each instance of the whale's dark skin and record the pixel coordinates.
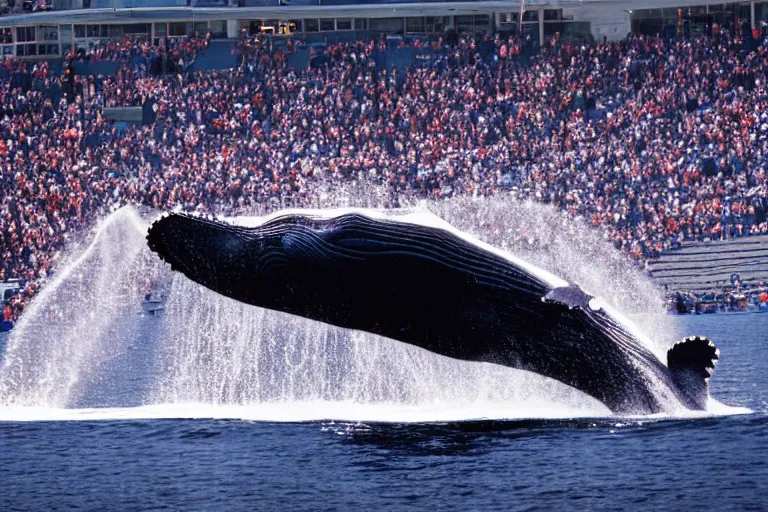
(430, 288)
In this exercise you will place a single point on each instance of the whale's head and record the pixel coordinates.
(207, 251)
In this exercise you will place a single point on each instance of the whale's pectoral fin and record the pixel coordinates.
(571, 295)
(691, 363)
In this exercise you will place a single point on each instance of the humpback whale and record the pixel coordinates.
(432, 286)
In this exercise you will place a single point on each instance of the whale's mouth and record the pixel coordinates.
(178, 237)
(204, 249)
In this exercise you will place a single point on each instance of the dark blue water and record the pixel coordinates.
(716, 463)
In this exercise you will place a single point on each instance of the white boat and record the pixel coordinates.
(154, 302)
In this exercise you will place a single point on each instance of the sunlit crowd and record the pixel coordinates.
(656, 142)
(8, 7)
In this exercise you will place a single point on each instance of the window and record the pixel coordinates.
(482, 21)
(553, 14)
(553, 28)
(48, 34)
(104, 31)
(391, 25)
(177, 29)
(434, 24)
(761, 12)
(478, 23)
(26, 50)
(115, 31)
(744, 11)
(361, 24)
(311, 25)
(6, 35)
(344, 24)
(6, 50)
(510, 17)
(24, 34)
(414, 25)
(669, 12)
(138, 28)
(649, 26)
(65, 36)
(161, 29)
(465, 23)
(327, 25)
(80, 31)
(696, 10)
(531, 16)
(201, 27)
(48, 49)
(93, 31)
(219, 28)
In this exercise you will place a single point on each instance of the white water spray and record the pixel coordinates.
(69, 331)
(228, 353)
(84, 343)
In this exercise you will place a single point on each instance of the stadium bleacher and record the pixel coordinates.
(657, 141)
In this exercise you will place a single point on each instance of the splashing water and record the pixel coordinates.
(567, 247)
(84, 342)
(68, 332)
(271, 357)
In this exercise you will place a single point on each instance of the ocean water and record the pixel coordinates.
(113, 451)
(214, 405)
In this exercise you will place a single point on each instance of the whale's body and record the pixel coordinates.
(435, 288)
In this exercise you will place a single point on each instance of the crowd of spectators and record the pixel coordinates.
(173, 56)
(657, 142)
(8, 7)
(725, 299)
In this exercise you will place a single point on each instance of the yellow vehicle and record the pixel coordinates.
(278, 28)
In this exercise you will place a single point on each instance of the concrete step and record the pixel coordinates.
(731, 244)
(706, 265)
(726, 278)
(713, 257)
(706, 286)
(700, 267)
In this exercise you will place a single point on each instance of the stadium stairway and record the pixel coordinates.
(218, 55)
(703, 266)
